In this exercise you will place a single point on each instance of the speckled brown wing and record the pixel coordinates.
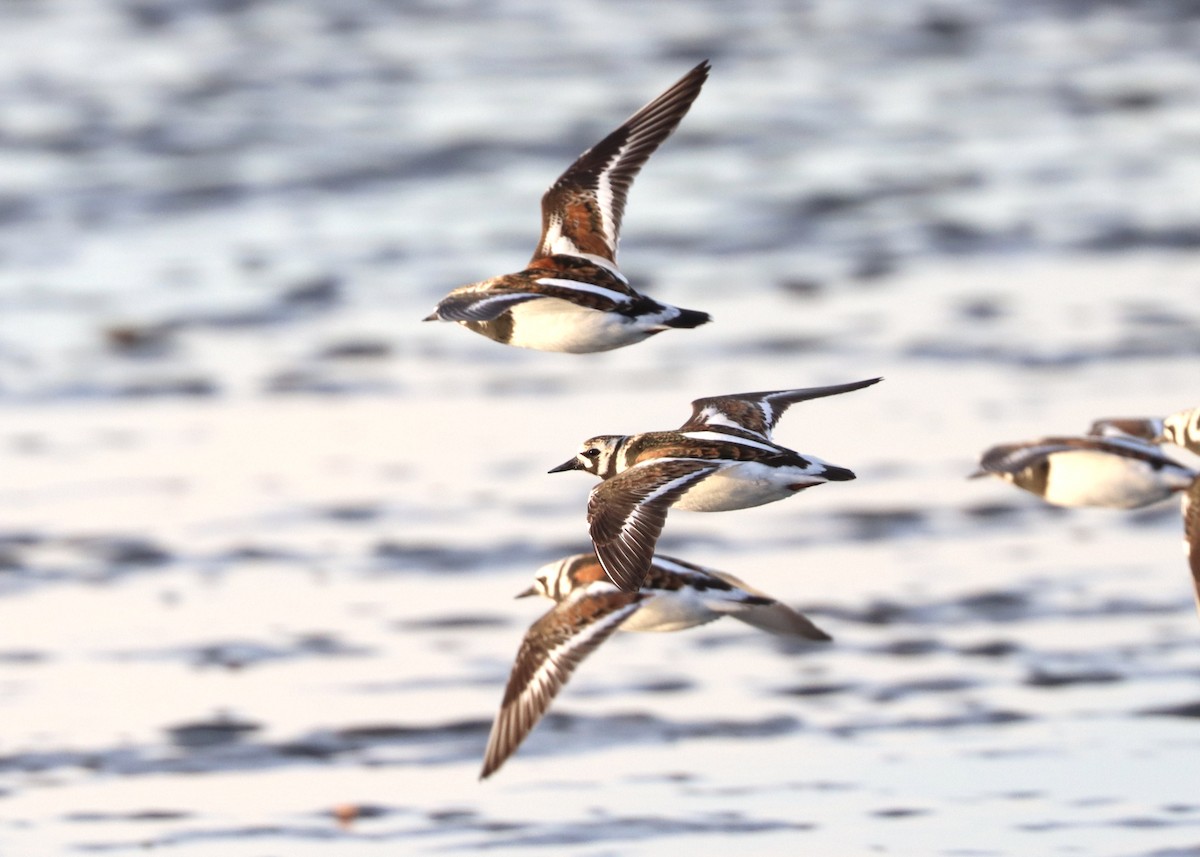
(553, 647)
(757, 413)
(626, 514)
(1191, 535)
(479, 305)
(1145, 428)
(1182, 428)
(582, 210)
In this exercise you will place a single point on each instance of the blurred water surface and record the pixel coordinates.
(260, 528)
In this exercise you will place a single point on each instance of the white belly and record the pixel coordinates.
(1088, 478)
(671, 611)
(742, 485)
(552, 324)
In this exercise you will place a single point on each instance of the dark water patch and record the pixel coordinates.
(1123, 237)
(996, 606)
(664, 685)
(803, 288)
(1184, 709)
(526, 384)
(979, 717)
(873, 265)
(920, 687)
(1128, 347)
(211, 733)
(632, 829)
(1051, 678)
(911, 647)
(991, 649)
(994, 511)
(258, 553)
(142, 341)
(123, 550)
(223, 744)
(1154, 516)
(196, 196)
(322, 291)
(817, 689)
(24, 539)
(186, 387)
(321, 382)
(349, 813)
(352, 512)
(899, 812)
(415, 556)
(876, 524)
(1181, 808)
(15, 209)
(86, 817)
(981, 309)
(1152, 315)
(238, 654)
(455, 622)
(10, 560)
(387, 732)
(356, 349)
(781, 345)
(232, 835)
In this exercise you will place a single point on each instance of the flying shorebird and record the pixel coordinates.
(1117, 472)
(588, 609)
(572, 297)
(722, 458)
(1181, 428)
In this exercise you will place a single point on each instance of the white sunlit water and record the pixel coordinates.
(260, 528)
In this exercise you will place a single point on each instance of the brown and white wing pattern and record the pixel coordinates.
(553, 647)
(1191, 534)
(479, 305)
(1182, 428)
(1149, 429)
(626, 513)
(1012, 458)
(757, 413)
(582, 210)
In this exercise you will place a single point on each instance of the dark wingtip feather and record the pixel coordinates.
(689, 318)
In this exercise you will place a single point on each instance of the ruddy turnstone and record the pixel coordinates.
(1118, 472)
(1191, 535)
(676, 595)
(572, 297)
(1182, 428)
(722, 458)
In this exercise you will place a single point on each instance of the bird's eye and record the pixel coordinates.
(591, 453)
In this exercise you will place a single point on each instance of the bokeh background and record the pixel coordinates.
(260, 528)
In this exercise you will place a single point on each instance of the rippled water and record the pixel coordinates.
(260, 528)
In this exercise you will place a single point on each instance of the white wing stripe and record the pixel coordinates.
(584, 287)
(667, 487)
(729, 438)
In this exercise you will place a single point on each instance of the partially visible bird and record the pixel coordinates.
(588, 609)
(1181, 428)
(1117, 472)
